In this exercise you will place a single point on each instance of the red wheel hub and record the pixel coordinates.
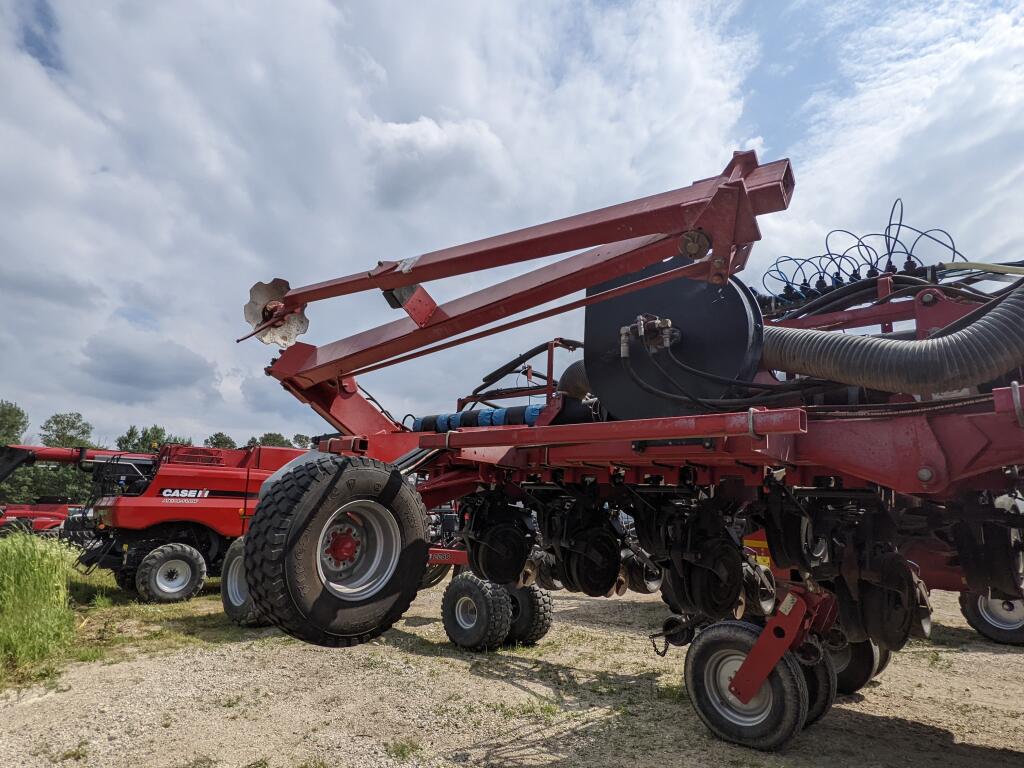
(343, 547)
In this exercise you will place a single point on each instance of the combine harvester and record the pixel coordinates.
(162, 522)
(690, 413)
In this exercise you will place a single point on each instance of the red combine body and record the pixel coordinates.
(698, 414)
(46, 516)
(164, 523)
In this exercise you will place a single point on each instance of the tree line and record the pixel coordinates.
(71, 430)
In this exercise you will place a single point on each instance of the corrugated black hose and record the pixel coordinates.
(989, 347)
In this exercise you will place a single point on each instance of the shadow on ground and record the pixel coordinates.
(613, 719)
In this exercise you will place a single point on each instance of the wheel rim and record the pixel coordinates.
(358, 550)
(465, 612)
(718, 673)
(173, 575)
(1007, 615)
(238, 589)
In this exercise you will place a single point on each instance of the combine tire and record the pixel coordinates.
(336, 550)
(170, 573)
(1001, 621)
(856, 665)
(234, 590)
(532, 614)
(822, 685)
(775, 714)
(434, 575)
(477, 614)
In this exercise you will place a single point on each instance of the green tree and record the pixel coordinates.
(148, 439)
(253, 442)
(219, 440)
(13, 423)
(28, 484)
(66, 430)
(275, 439)
(301, 441)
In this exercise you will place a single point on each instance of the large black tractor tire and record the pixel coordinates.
(476, 614)
(336, 549)
(171, 573)
(856, 665)
(234, 589)
(434, 575)
(776, 713)
(533, 612)
(822, 686)
(1001, 621)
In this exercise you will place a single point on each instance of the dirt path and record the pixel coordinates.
(592, 694)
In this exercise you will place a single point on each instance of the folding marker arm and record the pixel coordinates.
(712, 222)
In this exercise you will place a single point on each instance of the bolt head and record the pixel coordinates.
(925, 474)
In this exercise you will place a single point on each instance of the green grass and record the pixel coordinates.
(402, 749)
(36, 618)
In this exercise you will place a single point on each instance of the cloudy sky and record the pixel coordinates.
(156, 159)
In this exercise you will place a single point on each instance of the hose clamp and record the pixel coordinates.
(1018, 409)
(750, 425)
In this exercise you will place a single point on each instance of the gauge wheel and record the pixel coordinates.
(822, 686)
(476, 614)
(1001, 621)
(532, 615)
(774, 715)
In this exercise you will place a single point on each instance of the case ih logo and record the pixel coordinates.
(184, 493)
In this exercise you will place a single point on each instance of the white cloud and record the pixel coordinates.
(157, 159)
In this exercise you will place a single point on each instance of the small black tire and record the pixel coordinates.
(171, 573)
(1000, 624)
(856, 664)
(125, 580)
(363, 505)
(476, 614)
(234, 589)
(533, 612)
(775, 715)
(434, 575)
(822, 686)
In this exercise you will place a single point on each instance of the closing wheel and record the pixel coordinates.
(476, 614)
(821, 688)
(532, 614)
(434, 575)
(772, 717)
(336, 549)
(171, 573)
(856, 664)
(1001, 621)
(234, 590)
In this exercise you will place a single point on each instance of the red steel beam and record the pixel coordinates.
(768, 186)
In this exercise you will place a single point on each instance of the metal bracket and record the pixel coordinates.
(1018, 410)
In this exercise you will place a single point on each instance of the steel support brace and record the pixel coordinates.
(781, 633)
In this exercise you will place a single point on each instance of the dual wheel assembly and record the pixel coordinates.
(797, 693)
(480, 615)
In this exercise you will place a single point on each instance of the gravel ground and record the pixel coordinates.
(591, 694)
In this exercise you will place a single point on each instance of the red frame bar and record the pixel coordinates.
(769, 188)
